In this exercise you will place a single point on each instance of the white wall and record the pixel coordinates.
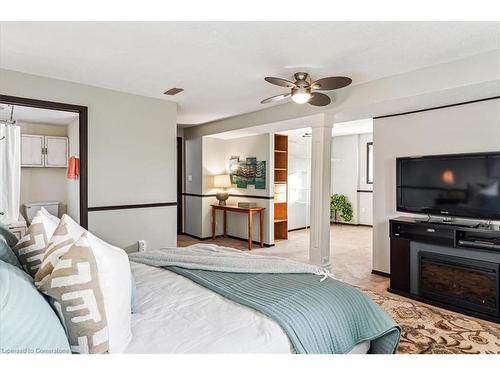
(216, 154)
(43, 184)
(345, 165)
(299, 181)
(132, 154)
(365, 195)
(348, 176)
(465, 128)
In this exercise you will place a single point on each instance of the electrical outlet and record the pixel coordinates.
(142, 245)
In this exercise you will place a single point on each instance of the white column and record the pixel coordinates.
(319, 241)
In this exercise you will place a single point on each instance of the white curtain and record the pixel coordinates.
(10, 172)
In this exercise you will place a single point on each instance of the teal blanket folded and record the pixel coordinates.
(325, 317)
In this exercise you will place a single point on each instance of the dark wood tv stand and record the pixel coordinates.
(433, 262)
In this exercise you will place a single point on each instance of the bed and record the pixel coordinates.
(176, 315)
(199, 299)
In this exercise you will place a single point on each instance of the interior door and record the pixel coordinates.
(179, 186)
(32, 150)
(56, 151)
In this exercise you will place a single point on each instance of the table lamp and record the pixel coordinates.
(222, 181)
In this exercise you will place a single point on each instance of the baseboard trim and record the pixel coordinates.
(227, 235)
(196, 237)
(380, 273)
(354, 225)
(301, 228)
(246, 240)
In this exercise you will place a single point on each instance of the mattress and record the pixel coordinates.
(175, 315)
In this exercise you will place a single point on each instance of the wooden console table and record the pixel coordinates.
(249, 212)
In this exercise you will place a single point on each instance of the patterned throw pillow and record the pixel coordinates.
(31, 248)
(60, 243)
(114, 273)
(73, 286)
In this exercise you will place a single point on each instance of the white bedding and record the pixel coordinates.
(176, 315)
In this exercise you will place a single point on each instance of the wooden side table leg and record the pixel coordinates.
(261, 228)
(213, 222)
(225, 223)
(250, 230)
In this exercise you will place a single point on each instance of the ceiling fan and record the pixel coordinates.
(304, 91)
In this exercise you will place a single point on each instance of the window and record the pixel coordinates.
(369, 163)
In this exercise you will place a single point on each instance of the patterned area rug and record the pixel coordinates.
(430, 330)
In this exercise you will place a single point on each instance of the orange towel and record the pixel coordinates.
(73, 168)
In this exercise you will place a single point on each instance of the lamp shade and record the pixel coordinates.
(222, 181)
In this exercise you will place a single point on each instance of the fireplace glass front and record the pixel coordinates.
(466, 283)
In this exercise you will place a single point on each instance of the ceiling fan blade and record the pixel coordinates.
(331, 83)
(276, 98)
(280, 82)
(319, 99)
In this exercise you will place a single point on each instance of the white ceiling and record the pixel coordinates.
(299, 126)
(221, 66)
(353, 127)
(37, 115)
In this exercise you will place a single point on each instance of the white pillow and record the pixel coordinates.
(55, 219)
(50, 222)
(115, 280)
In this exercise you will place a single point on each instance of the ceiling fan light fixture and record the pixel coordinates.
(301, 95)
(304, 91)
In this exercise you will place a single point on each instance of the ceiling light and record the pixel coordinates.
(301, 95)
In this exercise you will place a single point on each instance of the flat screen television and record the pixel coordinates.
(461, 185)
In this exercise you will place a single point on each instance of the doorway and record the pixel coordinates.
(179, 187)
(82, 118)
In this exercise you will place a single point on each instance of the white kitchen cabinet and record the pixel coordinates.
(56, 151)
(32, 147)
(44, 151)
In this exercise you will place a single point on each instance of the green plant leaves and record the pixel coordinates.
(340, 203)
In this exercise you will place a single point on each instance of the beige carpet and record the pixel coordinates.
(425, 329)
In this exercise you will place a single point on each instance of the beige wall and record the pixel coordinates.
(132, 155)
(43, 184)
(465, 128)
(216, 154)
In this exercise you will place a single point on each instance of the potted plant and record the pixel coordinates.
(340, 206)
